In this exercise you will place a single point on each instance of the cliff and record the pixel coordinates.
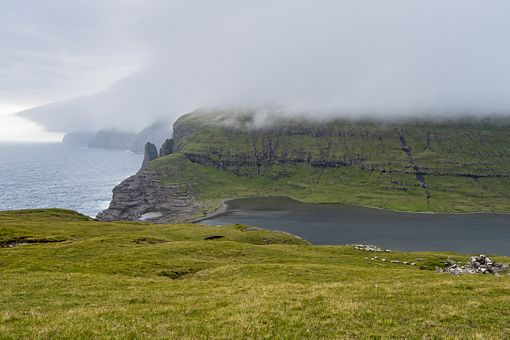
(77, 138)
(156, 133)
(111, 139)
(449, 166)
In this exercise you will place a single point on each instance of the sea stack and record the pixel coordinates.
(150, 154)
(167, 148)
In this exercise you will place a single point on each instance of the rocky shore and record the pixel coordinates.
(143, 193)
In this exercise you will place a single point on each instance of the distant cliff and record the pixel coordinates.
(112, 139)
(450, 165)
(156, 133)
(77, 138)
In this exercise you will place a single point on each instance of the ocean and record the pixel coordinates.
(54, 175)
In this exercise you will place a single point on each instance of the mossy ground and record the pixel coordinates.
(136, 280)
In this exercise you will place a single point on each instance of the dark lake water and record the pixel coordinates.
(333, 224)
(53, 175)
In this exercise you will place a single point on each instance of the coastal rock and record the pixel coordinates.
(167, 148)
(151, 153)
(143, 193)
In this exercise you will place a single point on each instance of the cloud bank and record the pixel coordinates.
(321, 58)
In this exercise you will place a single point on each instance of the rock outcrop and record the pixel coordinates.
(476, 265)
(143, 193)
(371, 248)
(167, 148)
(150, 154)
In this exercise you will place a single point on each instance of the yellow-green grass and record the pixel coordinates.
(136, 280)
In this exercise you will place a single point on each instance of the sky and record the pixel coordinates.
(123, 64)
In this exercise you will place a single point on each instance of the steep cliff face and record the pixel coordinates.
(144, 193)
(464, 148)
(460, 165)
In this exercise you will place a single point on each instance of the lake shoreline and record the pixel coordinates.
(340, 224)
(223, 209)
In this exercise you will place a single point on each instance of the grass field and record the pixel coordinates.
(68, 276)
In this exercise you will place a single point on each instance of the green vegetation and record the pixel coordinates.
(68, 276)
(348, 185)
(449, 166)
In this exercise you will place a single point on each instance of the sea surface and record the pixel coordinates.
(334, 224)
(54, 175)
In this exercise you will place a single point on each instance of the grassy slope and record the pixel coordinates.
(140, 280)
(451, 148)
(349, 185)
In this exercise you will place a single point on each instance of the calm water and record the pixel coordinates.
(330, 224)
(63, 176)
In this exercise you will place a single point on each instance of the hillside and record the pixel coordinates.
(66, 276)
(442, 166)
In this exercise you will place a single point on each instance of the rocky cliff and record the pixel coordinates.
(450, 165)
(144, 193)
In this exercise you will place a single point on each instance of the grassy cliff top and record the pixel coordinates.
(413, 165)
(252, 119)
(65, 275)
(383, 143)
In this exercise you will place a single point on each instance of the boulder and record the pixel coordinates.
(476, 265)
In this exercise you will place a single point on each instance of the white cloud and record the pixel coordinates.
(321, 57)
(18, 129)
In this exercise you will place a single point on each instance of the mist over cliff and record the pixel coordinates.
(318, 59)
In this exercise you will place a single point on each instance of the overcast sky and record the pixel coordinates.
(96, 64)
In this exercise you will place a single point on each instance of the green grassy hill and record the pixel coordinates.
(63, 275)
(442, 166)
